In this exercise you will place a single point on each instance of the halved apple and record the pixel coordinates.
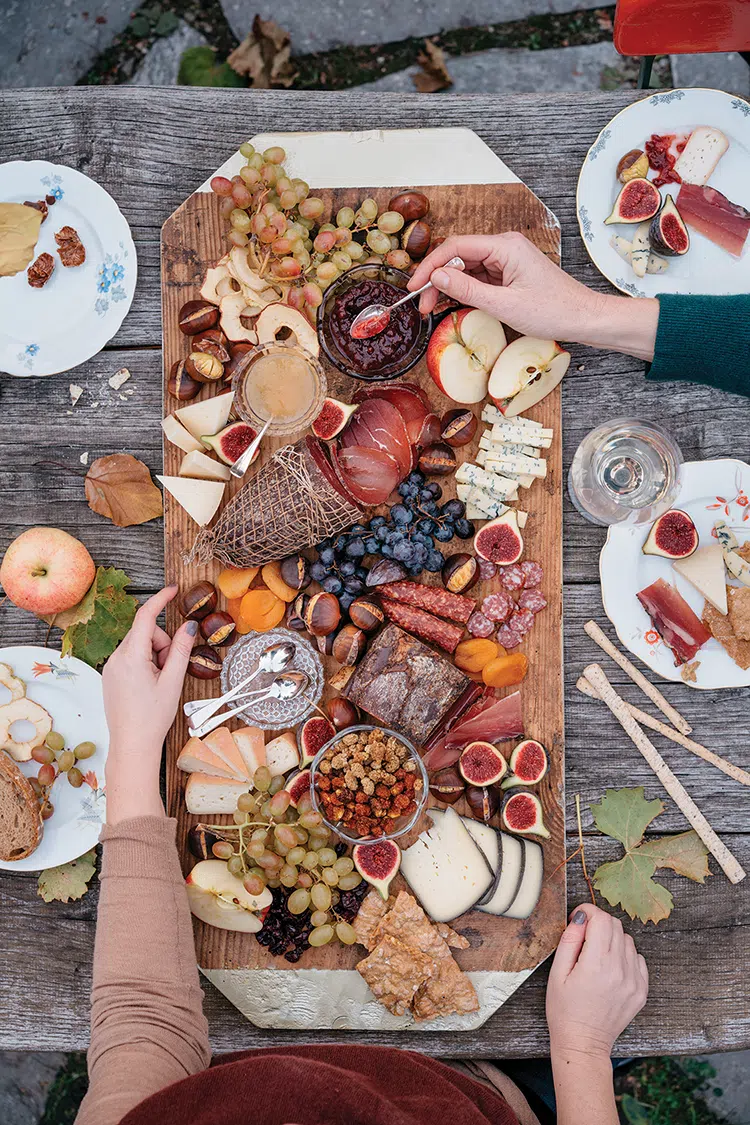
(218, 898)
(525, 373)
(462, 351)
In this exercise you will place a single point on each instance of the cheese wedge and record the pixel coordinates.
(251, 744)
(212, 796)
(224, 746)
(486, 838)
(445, 869)
(196, 757)
(179, 436)
(530, 889)
(737, 566)
(508, 876)
(199, 498)
(201, 467)
(208, 416)
(704, 570)
(282, 754)
(701, 154)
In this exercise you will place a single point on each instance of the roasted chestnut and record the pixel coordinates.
(204, 367)
(411, 204)
(295, 571)
(214, 342)
(366, 613)
(342, 712)
(447, 785)
(295, 617)
(483, 801)
(386, 570)
(197, 316)
(460, 572)
(325, 644)
(415, 239)
(200, 600)
(237, 361)
(322, 614)
(437, 460)
(180, 384)
(218, 628)
(349, 644)
(205, 663)
(341, 677)
(458, 427)
(201, 840)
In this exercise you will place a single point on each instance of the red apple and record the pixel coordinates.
(525, 373)
(219, 898)
(462, 351)
(45, 570)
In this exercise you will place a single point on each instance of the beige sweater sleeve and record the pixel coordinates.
(147, 1024)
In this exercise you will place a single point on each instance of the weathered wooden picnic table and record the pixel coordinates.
(150, 148)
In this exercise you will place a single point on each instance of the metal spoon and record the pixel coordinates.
(375, 318)
(275, 658)
(242, 464)
(285, 686)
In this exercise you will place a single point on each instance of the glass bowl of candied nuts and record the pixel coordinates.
(368, 783)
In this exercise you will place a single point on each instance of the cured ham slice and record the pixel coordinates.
(379, 425)
(709, 212)
(498, 723)
(674, 620)
(370, 475)
(410, 400)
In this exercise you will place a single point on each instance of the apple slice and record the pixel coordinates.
(199, 498)
(206, 417)
(275, 317)
(223, 915)
(197, 466)
(176, 433)
(251, 745)
(525, 373)
(462, 351)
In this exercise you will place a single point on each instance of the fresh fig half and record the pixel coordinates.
(528, 763)
(297, 786)
(638, 200)
(668, 233)
(499, 541)
(378, 863)
(481, 763)
(672, 536)
(231, 442)
(313, 734)
(522, 814)
(332, 418)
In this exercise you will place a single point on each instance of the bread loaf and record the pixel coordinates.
(20, 820)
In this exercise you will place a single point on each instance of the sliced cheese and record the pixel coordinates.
(212, 796)
(196, 757)
(491, 413)
(530, 890)
(701, 154)
(445, 869)
(518, 463)
(640, 249)
(201, 467)
(251, 744)
(179, 436)
(199, 498)
(224, 746)
(488, 460)
(486, 838)
(207, 417)
(704, 570)
(486, 442)
(282, 754)
(508, 876)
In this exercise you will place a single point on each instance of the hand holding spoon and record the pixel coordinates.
(375, 318)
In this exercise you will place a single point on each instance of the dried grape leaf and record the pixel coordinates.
(95, 639)
(433, 74)
(263, 56)
(119, 487)
(685, 854)
(628, 883)
(19, 230)
(77, 614)
(625, 814)
(68, 882)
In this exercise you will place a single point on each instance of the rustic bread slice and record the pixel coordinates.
(20, 821)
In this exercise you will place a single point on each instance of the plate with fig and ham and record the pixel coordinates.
(663, 198)
(678, 591)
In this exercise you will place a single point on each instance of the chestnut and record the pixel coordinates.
(205, 663)
(197, 316)
(295, 617)
(218, 628)
(447, 785)
(325, 644)
(458, 427)
(237, 361)
(349, 644)
(342, 712)
(322, 614)
(204, 367)
(483, 802)
(411, 204)
(201, 840)
(295, 571)
(341, 677)
(460, 572)
(366, 613)
(180, 384)
(416, 238)
(437, 460)
(200, 600)
(212, 341)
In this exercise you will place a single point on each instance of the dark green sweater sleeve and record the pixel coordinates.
(703, 340)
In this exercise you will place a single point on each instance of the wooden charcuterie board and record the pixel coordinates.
(192, 240)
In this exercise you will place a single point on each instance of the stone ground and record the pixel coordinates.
(44, 44)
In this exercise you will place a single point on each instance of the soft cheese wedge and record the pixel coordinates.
(179, 436)
(445, 869)
(282, 754)
(224, 746)
(508, 876)
(530, 889)
(196, 757)
(212, 796)
(199, 498)
(704, 570)
(251, 745)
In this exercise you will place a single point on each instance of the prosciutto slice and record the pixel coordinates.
(674, 620)
(370, 475)
(710, 213)
(500, 722)
(379, 425)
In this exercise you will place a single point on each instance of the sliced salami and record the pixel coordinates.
(511, 578)
(533, 600)
(532, 574)
(479, 625)
(521, 621)
(487, 569)
(508, 637)
(498, 607)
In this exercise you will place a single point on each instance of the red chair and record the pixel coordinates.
(680, 27)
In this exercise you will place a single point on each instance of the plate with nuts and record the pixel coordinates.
(66, 295)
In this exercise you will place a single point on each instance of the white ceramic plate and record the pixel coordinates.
(72, 693)
(43, 331)
(705, 268)
(711, 490)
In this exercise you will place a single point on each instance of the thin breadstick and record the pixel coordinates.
(637, 677)
(647, 720)
(721, 853)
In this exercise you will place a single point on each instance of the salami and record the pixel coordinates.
(479, 625)
(511, 578)
(498, 607)
(521, 621)
(487, 569)
(422, 624)
(432, 599)
(533, 600)
(508, 637)
(532, 574)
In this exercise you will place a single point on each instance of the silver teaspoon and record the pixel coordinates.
(242, 464)
(375, 318)
(285, 686)
(275, 658)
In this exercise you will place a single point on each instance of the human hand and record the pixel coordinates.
(597, 985)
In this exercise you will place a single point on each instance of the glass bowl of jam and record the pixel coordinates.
(279, 381)
(392, 352)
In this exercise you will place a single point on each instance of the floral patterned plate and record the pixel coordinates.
(705, 268)
(43, 331)
(710, 491)
(72, 693)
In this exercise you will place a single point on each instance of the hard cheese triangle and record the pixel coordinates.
(704, 570)
(199, 498)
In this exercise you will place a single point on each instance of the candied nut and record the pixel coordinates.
(69, 246)
(410, 766)
(350, 739)
(351, 781)
(368, 786)
(396, 789)
(338, 762)
(324, 783)
(401, 801)
(358, 770)
(40, 271)
(361, 797)
(324, 767)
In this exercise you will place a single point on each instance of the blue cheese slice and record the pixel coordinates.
(737, 566)
(445, 869)
(499, 486)
(517, 463)
(486, 442)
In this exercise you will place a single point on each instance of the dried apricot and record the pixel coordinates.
(505, 670)
(271, 575)
(233, 608)
(260, 610)
(471, 656)
(234, 583)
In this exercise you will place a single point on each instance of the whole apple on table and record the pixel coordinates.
(46, 571)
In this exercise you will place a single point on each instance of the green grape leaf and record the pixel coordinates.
(627, 883)
(68, 882)
(96, 638)
(634, 1112)
(686, 854)
(625, 814)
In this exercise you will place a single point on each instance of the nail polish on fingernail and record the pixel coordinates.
(579, 917)
(192, 628)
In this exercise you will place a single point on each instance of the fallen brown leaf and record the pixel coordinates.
(119, 487)
(434, 74)
(263, 56)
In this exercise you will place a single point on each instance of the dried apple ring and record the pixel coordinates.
(30, 712)
(9, 679)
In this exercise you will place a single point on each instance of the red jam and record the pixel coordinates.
(662, 160)
(373, 353)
